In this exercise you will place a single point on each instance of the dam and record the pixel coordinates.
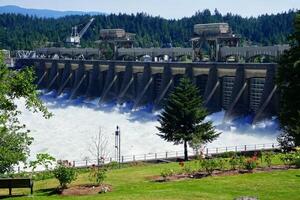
(238, 88)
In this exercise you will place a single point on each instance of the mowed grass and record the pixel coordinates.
(135, 183)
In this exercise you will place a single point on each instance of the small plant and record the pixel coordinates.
(187, 169)
(241, 162)
(288, 159)
(268, 156)
(65, 175)
(166, 173)
(113, 165)
(221, 163)
(97, 175)
(209, 165)
(234, 162)
(250, 163)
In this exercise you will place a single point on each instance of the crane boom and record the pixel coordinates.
(75, 36)
(82, 32)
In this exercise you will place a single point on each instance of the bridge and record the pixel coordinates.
(251, 52)
(248, 53)
(239, 89)
(172, 53)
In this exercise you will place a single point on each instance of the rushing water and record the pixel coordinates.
(68, 134)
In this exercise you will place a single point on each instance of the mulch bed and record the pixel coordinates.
(86, 190)
(199, 175)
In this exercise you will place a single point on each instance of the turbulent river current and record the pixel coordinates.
(68, 134)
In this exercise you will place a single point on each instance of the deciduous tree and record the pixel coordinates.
(14, 138)
(288, 80)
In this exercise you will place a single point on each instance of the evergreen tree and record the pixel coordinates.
(289, 84)
(182, 119)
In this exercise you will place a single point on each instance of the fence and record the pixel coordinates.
(169, 155)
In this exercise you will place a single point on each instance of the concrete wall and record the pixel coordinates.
(238, 89)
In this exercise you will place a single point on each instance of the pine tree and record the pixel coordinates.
(182, 119)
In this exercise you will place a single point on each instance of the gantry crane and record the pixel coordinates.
(75, 37)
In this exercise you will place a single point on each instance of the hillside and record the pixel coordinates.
(43, 13)
(27, 32)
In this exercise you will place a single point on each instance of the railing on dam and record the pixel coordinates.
(237, 88)
(174, 155)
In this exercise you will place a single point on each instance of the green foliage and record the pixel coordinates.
(43, 175)
(250, 163)
(165, 173)
(234, 162)
(241, 162)
(288, 81)
(14, 139)
(113, 165)
(42, 159)
(65, 175)
(97, 175)
(221, 163)
(268, 157)
(227, 154)
(209, 165)
(287, 159)
(182, 119)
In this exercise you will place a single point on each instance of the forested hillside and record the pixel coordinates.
(25, 32)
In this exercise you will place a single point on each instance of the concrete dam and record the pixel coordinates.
(239, 89)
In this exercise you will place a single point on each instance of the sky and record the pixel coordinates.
(164, 8)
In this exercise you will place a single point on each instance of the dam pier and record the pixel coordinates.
(239, 89)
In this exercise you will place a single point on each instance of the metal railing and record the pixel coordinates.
(169, 155)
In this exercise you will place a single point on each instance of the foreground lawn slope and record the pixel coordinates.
(135, 183)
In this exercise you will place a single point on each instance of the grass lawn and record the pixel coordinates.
(135, 183)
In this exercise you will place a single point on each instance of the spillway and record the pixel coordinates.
(67, 135)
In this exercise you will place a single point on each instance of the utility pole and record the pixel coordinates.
(118, 145)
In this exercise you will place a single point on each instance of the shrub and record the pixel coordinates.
(43, 175)
(65, 175)
(234, 162)
(241, 162)
(97, 175)
(113, 165)
(166, 173)
(297, 158)
(227, 154)
(187, 169)
(221, 162)
(268, 158)
(288, 159)
(250, 163)
(209, 165)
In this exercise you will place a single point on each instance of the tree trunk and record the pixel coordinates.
(186, 158)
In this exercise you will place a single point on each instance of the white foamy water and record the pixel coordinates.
(67, 135)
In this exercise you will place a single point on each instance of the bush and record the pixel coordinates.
(221, 163)
(288, 159)
(234, 162)
(227, 154)
(209, 165)
(97, 175)
(250, 163)
(113, 165)
(166, 173)
(65, 175)
(241, 162)
(43, 175)
(268, 157)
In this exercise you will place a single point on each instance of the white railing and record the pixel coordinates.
(176, 154)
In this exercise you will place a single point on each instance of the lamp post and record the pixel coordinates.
(118, 145)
